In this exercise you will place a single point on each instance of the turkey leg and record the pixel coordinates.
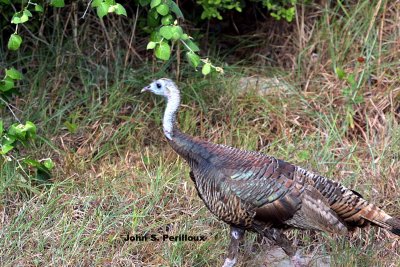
(236, 237)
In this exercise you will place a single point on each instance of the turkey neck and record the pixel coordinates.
(173, 102)
(186, 146)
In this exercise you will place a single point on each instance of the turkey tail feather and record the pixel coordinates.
(377, 216)
(350, 206)
(394, 223)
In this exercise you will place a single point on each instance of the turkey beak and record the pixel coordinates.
(145, 89)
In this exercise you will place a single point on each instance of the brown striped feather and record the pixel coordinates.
(250, 189)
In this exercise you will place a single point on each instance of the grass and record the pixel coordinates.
(116, 174)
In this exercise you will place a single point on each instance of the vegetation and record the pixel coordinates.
(334, 109)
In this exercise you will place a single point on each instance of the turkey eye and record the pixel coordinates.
(158, 85)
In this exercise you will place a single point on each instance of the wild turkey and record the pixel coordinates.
(256, 192)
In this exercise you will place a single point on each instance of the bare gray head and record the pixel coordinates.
(168, 89)
(163, 87)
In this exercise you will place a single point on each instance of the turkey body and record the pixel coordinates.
(253, 191)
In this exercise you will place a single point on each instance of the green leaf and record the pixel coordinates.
(206, 69)
(7, 2)
(16, 19)
(14, 42)
(340, 73)
(27, 13)
(151, 45)
(171, 32)
(5, 148)
(19, 17)
(162, 9)
(193, 59)
(144, 2)
(38, 8)
(43, 172)
(30, 128)
(32, 163)
(155, 3)
(163, 51)
(1, 129)
(120, 10)
(153, 18)
(6, 84)
(102, 10)
(48, 163)
(57, 3)
(185, 36)
(96, 3)
(8, 140)
(192, 45)
(175, 8)
(16, 131)
(13, 74)
(166, 32)
(111, 9)
(155, 37)
(24, 18)
(167, 20)
(21, 131)
(176, 32)
(290, 14)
